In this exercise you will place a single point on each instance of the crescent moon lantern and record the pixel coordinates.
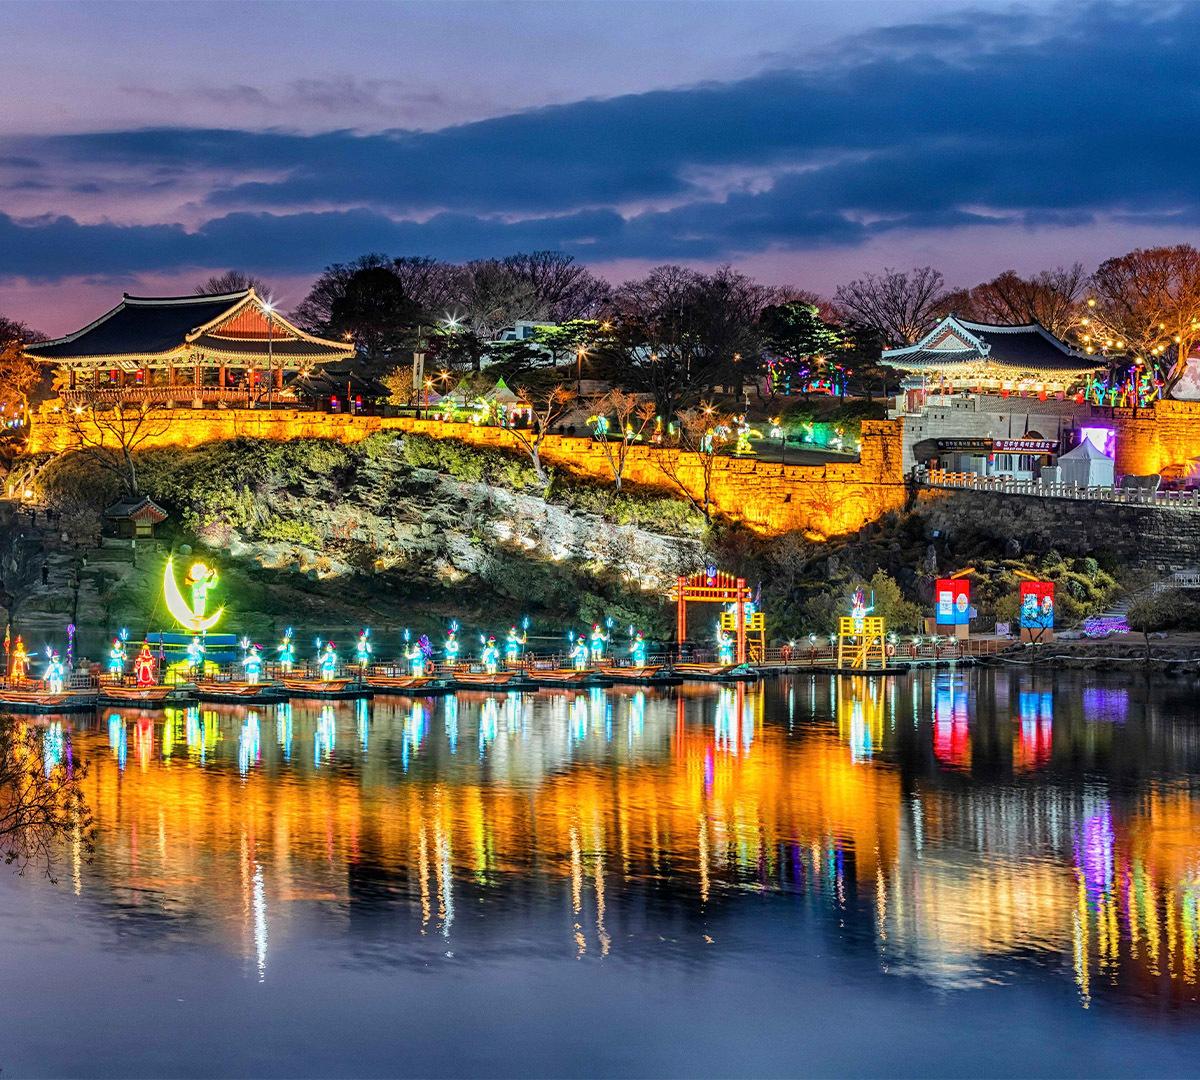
(178, 606)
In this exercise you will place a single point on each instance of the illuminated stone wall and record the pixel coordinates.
(823, 500)
(1164, 438)
(51, 433)
(768, 497)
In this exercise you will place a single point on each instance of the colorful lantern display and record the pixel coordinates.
(1037, 605)
(953, 601)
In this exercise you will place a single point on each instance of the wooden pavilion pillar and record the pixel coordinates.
(681, 612)
(221, 376)
(740, 620)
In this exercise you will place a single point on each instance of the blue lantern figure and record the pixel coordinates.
(328, 662)
(724, 647)
(287, 651)
(56, 673)
(195, 654)
(253, 665)
(362, 651)
(512, 645)
(579, 654)
(116, 659)
(637, 650)
(490, 656)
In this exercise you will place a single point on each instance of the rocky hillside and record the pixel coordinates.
(331, 537)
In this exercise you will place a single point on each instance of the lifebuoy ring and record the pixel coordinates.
(891, 650)
(430, 667)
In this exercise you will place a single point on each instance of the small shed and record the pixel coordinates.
(134, 518)
(1086, 466)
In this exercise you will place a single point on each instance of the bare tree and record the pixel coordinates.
(700, 435)
(548, 407)
(560, 289)
(110, 434)
(20, 373)
(1147, 303)
(901, 305)
(41, 799)
(1051, 297)
(615, 440)
(230, 282)
(20, 563)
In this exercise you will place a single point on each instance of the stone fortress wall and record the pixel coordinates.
(769, 498)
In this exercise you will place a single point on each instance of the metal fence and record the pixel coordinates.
(1007, 485)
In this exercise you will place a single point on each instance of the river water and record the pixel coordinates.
(964, 872)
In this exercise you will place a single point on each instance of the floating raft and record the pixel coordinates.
(651, 675)
(328, 689)
(716, 672)
(156, 696)
(414, 685)
(502, 681)
(568, 678)
(42, 701)
(243, 692)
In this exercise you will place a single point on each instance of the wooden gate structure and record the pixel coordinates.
(712, 586)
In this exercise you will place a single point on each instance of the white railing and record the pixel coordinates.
(1007, 485)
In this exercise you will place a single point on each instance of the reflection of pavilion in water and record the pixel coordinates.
(629, 806)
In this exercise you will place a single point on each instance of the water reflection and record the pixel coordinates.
(964, 829)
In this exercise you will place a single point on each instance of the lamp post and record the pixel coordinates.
(270, 355)
(579, 352)
(418, 369)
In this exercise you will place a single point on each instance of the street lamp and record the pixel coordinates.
(418, 369)
(270, 310)
(579, 354)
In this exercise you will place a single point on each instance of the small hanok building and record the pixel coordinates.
(988, 399)
(133, 518)
(232, 350)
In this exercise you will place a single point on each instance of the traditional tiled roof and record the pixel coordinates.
(957, 344)
(235, 327)
(332, 379)
(143, 509)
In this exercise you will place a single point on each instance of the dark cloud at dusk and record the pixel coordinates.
(1048, 121)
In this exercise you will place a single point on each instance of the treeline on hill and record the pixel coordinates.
(680, 335)
(222, 489)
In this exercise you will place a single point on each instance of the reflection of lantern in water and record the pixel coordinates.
(451, 714)
(489, 718)
(636, 724)
(248, 742)
(143, 741)
(1094, 851)
(117, 738)
(733, 729)
(413, 735)
(951, 725)
(362, 722)
(324, 736)
(283, 728)
(860, 715)
(52, 746)
(1034, 733)
(579, 718)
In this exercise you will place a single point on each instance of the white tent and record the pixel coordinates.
(1086, 466)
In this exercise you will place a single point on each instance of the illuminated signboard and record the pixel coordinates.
(953, 601)
(1037, 605)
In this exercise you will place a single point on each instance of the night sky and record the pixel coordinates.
(144, 146)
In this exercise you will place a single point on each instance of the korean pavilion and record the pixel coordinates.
(232, 349)
(990, 399)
